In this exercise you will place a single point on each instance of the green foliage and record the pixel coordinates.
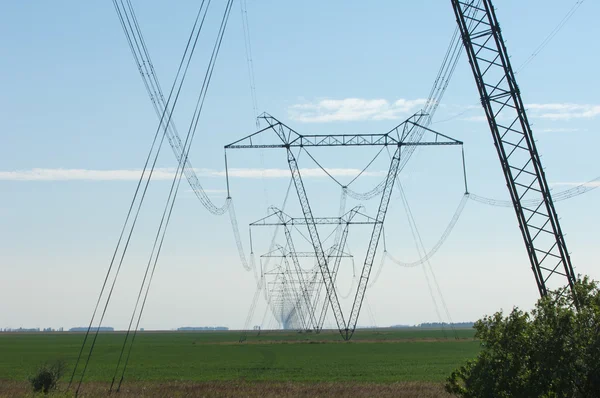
(47, 376)
(552, 352)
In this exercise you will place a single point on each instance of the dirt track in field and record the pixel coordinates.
(241, 389)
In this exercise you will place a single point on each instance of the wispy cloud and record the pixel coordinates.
(168, 174)
(475, 119)
(39, 174)
(550, 111)
(557, 130)
(576, 184)
(564, 111)
(353, 109)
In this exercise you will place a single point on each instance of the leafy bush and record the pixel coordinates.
(47, 376)
(552, 352)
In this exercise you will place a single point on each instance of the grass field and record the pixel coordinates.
(380, 358)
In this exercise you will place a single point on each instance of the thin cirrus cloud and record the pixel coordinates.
(352, 109)
(564, 111)
(554, 111)
(40, 174)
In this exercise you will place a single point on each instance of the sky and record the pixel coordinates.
(78, 124)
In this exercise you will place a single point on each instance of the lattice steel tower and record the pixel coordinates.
(507, 118)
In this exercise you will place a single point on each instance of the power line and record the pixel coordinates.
(534, 54)
(552, 34)
(175, 185)
(188, 53)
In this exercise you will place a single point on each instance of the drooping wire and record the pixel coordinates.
(421, 248)
(345, 187)
(237, 237)
(250, 315)
(430, 289)
(249, 60)
(166, 217)
(436, 94)
(373, 281)
(440, 242)
(370, 312)
(188, 53)
(322, 168)
(366, 167)
(145, 66)
(252, 84)
(556, 197)
(534, 54)
(552, 34)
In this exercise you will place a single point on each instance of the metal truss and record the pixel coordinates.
(513, 138)
(338, 249)
(297, 297)
(300, 255)
(286, 138)
(292, 293)
(303, 288)
(354, 216)
(278, 217)
(373, 243)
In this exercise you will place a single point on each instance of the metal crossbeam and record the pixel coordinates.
(286, 137)
(354, 216)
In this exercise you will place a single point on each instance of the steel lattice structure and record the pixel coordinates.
(286, 138)
(313, 288)
(513, 138)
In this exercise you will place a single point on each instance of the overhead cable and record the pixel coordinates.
(154, 152)
(556, 197)
(440, 242)
(145, 67)
(436, 94)
(170, 203)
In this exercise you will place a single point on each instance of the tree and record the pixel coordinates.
(47, 376)
(554, 351)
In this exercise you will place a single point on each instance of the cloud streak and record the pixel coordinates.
(39, 174)
(353, 109)
(577, 184)
(550, 111)
(564, 111)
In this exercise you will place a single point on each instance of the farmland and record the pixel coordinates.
(382, 359)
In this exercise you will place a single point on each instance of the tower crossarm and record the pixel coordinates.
(278, 218)
(279, 135)
(306, 255)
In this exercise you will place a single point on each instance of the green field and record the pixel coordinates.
(373, 356)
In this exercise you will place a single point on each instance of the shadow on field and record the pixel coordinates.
(242, 389)
(266, 364)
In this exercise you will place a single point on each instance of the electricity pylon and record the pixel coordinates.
(286, 138)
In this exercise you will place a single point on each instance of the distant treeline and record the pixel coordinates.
(188, 328)
(437, 325)
(31, 330)
(84, 329)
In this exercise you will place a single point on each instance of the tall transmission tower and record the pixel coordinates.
(513, 138)
(336, 253)
(397, 138)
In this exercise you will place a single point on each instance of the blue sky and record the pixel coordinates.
(77, 125)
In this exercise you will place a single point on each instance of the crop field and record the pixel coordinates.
(382, 362)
